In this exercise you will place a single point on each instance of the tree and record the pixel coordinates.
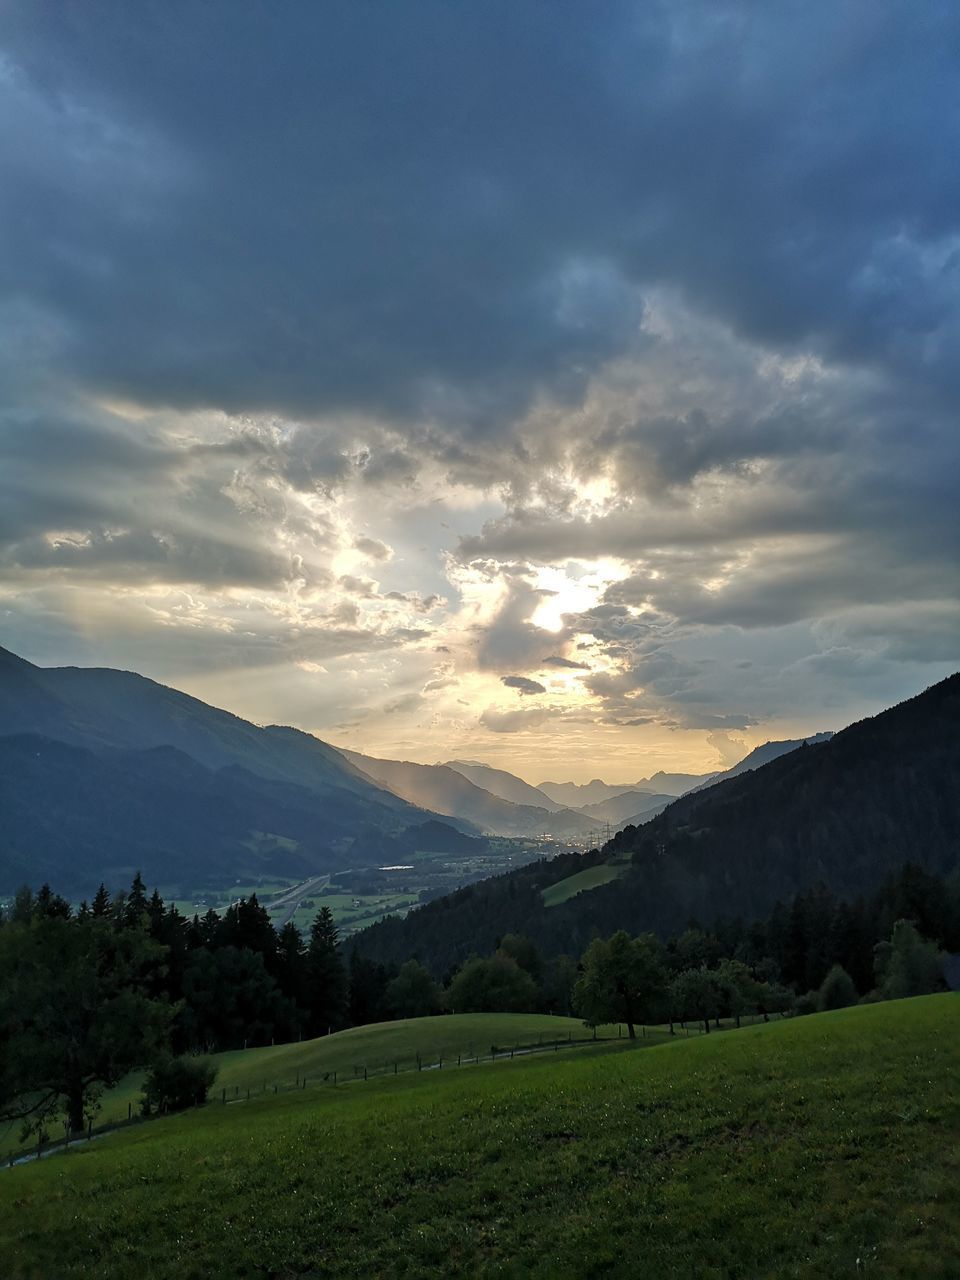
(231, 1001)
(326, 975)
(247, 925)
(521, 949)
(101, 905)
(291, 964)
(622, 980)
(908, 965)
(413, 993)
(76, 1015)
(559, 985)
(368, 991)
(494, 985)
(694, 993)
(837, 990)
(135, 904)
(173, 1084)
(738, 988)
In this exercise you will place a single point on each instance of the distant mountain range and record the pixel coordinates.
(448, 791)
(104, 771)
(579, 795)
(843, 811)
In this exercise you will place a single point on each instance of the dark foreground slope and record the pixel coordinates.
(817, 1147)
(845, 812)
(103, 771)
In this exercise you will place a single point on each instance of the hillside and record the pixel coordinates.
(446, 791)
(623, 808)
(503, 784)
(105, 771)
(844, 812)
(762, 755)
(789, 1149)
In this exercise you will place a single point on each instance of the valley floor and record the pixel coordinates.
(814, 1147)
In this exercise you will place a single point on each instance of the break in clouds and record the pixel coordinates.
(439, 377)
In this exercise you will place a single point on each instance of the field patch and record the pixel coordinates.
(582, 882)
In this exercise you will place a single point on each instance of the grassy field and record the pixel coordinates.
(377, 1048)
(592, 878)
(820, 1147)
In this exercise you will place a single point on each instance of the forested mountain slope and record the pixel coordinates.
(844, 812)
(105, 771)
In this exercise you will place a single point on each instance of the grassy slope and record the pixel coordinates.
(592, 878)
(375, 1047)
(788, 1150)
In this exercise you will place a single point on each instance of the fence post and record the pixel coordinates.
(129, 1110)
(619, 1031)
(223, 1096)
(89, 1128)
(364, 1073)
(458, 1059)
(248, 1095)
(274, 1090)
(304, 1085)
(236, 1091)
(395, 1065)
(334, 1077)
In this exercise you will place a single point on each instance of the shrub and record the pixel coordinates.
(173, 1084)
(806, 1004)
(837, 991)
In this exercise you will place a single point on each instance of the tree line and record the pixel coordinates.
(127, 980)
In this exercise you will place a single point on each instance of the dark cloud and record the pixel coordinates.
(523, 685)
(554, 661)
(441, 211)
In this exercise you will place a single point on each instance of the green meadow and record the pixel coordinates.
(592, 878)
(824, 1146)
(379, 1048)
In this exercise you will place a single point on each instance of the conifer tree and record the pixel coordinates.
(135, 906)
(101, 907)
(326, 975)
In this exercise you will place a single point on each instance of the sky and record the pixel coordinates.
(568, 387)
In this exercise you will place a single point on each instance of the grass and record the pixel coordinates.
(583, 881)
(819, 1147)
(377, 1048)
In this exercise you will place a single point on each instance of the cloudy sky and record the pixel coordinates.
(568, 386)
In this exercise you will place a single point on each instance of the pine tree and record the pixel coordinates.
(135, 907)
(326, 976)
(101, 902)
(292, 965)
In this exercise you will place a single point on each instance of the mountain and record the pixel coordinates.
(845, 812)
(104, 769)
(446, 791)
(505, 785)
(675, 784)
(618, 809)
(762, 755)
(583, 795)
(575, 795)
